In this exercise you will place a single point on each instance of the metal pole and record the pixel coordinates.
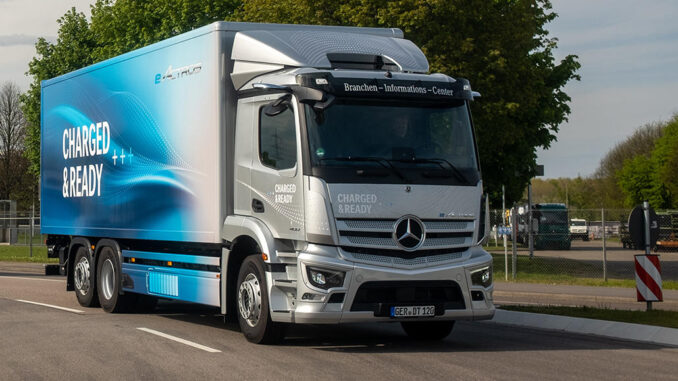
(503, 224)
(602, 213)
(646, 212)
(529, 219)
(487, 219)
(514, 229)
(30, 250)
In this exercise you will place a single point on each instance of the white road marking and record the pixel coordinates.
(50, 306)
(179, 340)
(26, 278)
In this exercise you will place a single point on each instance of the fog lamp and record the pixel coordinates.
(325, 279)
(482, 277)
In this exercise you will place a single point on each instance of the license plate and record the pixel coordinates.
(413, 311)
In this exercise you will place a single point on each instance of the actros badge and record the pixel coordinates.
(179, 72)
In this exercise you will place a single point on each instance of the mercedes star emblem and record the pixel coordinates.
(409, 233)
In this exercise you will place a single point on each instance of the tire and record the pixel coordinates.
(429, 330)
(252, 304)
(84, 278)
(109, 283)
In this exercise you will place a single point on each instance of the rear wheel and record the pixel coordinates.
(254, 316)
(428, 330)
(84, 279)
(109, 283)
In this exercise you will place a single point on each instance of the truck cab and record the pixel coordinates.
(367, 176)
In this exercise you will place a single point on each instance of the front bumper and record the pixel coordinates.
(324, 308)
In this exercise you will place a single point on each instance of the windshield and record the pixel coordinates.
(578, 223)
(554, 217)
(396, 142)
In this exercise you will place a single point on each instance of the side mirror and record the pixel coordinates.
(278, 106)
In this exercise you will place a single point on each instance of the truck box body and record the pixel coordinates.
(131, 148)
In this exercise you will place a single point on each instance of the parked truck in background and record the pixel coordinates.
(550, 229)
(283, 173)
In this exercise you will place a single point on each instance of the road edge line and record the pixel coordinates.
(611, 329)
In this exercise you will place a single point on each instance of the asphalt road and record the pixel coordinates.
(40, 342)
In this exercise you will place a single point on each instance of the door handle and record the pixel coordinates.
(257, 206)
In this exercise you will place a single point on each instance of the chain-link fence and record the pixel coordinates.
(20, 228)
(557, 244)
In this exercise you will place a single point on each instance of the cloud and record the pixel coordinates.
(17, 39)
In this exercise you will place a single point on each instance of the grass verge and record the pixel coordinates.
(655, 317)
(22, 254)
(563, 271)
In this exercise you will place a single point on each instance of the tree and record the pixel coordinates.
(652, 175)
(116, 28)
(12, 125)
(665, 158)
(501, 46)
(641, 142)
(124, 25)
(71, 51)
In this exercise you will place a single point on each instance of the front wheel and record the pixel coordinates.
(429, 330)
(254, 314)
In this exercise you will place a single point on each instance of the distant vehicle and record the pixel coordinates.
(579, 229)
(668, 231)
(549, 226)
(625, 237)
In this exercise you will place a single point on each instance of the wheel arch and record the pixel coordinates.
(241, 247)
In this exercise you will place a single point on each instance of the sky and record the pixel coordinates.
(629, 76)
(628, 51)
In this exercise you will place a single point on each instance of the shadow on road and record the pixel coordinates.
(29, 274)
(389, 337)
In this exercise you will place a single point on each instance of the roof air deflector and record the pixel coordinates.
(356, 61)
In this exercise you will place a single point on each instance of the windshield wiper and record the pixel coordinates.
(440, 162)
(381, 161)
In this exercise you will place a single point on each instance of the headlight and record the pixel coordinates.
(482, 277)
(325, 279)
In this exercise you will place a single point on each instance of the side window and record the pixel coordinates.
(277, 139)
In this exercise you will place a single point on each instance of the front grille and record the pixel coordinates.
(399, 258)
(375, 236)
(379, 297)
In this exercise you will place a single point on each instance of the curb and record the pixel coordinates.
(611, 329)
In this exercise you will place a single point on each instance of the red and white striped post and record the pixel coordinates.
(648, 279)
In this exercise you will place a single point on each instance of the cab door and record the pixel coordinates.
(276, 185)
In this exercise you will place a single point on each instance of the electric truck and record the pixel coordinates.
(285, 174)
